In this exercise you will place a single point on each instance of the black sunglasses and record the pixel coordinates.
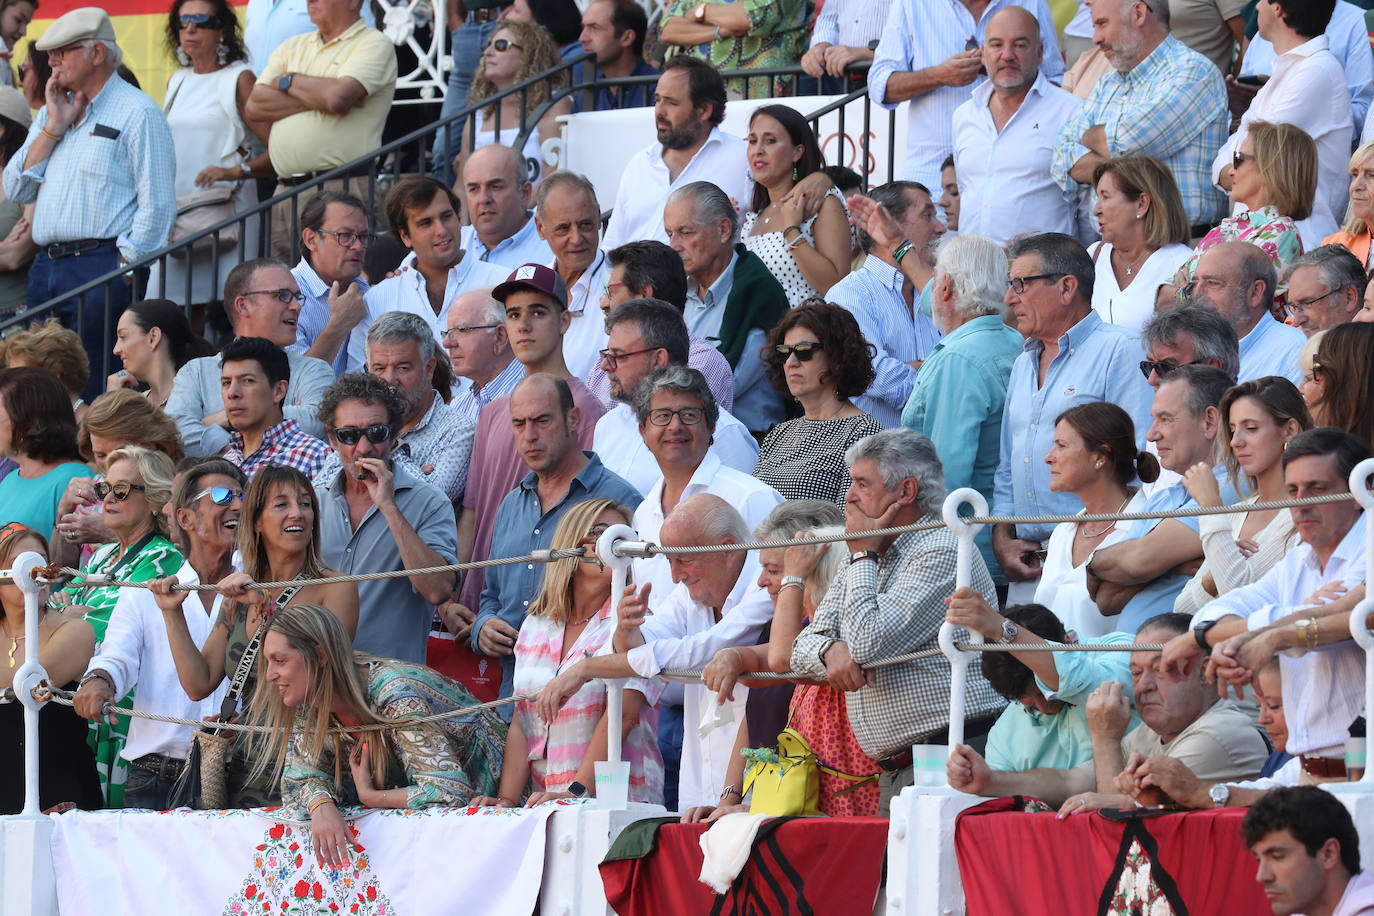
(121, 490)
(1160, 367)
(220, 496)
(199, 20)
(349, 435)
(803, 351)
(501, 44)
(1238, 158)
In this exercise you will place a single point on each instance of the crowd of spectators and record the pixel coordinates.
(1132, 297)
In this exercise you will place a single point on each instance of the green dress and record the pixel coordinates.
(777, 37)
(150, 558)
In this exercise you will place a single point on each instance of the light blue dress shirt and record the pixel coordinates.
(525, 247)
(1271, 348)
(1157, 597)
(704, 312)
(314, 313)
(267, 23)
(1096, 362)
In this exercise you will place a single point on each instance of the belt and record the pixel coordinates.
(973, 728)
(161, 766)
(72, 249)
(1324, 767)
(291, 181)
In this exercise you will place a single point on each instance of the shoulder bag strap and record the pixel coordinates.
(250, 655)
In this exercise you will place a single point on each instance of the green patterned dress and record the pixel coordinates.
(150, 558)
(777, 38)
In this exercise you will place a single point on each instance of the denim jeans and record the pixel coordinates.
(144, 790)
(826, 85)
(468, 41)
(670, 727)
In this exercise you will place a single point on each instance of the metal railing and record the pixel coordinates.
(427, 150)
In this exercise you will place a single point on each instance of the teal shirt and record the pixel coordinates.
(33, 501)
(957, 402)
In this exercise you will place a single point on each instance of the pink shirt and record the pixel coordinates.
(1358, 899)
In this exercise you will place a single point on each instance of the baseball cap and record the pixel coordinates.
(537, 277)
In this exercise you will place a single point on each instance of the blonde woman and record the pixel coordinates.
(1354, 234)
(571, 619)
(312, 682)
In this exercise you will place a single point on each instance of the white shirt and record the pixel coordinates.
(645, 186)
(1307, 90)
(135, 652)
(1005, 187)
(621, 447)
(683, 633)
(1322, 688)
(406, 292)
(751, 498)
(1064, 587)
(586, 335)
(525, 247)
(1133, 307)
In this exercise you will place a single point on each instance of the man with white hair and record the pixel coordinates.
(98, 165)
(568, 218)
(479, 352)
(960, 391)
(889, 601)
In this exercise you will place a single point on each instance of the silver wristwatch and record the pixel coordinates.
(1009, 632)
(1220, 795)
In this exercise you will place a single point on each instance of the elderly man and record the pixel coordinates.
(479, 352)
(435, 437)
(1325, 288)
(501, 228)
(569, 220)
(262, 300)
(1004, 138)
(883, 293)
(614, 31)
(1309, 854)
(335, 233)
(1180, 716)
(560, 476)
(376, 515)
(254, 376)
(326, 95)
(889, 601)
(1137, 577)
(959, 393)
(652, 270)
(845, 33)
(732, 299)
(1291, 608)
(929, 54)
(98, 166)
(715, 603)
(647, 335)
(1188, 335)
(1160, 99)
(1238, 280)
(1071, 357)
(689, 106)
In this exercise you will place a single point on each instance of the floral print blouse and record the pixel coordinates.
(1265, 228)
(776, 38)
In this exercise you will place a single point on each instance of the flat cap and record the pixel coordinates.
(78, 25)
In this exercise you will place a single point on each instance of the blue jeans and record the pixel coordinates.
(826, 85)
(670, 746)
(97, 311)
(144, 790)
(468, 41)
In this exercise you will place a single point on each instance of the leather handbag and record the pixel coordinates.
(786, 780)
(202, 210)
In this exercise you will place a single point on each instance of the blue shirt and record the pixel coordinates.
(522, 525)
(109, 178)
(267, 23)
(957, 403)
(314, 314)
(525, 247)
(1157, 597)
(1096, 362)
(1271, 348)
(637, 96)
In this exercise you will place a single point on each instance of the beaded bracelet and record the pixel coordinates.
(901, 250)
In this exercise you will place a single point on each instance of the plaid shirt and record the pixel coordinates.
(283, 444)
(1172, 106)
(892, 608)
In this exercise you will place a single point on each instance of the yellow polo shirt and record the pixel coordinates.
(314, 140)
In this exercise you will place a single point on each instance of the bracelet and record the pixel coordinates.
(322, 800)
(730, 790)
(789, 229)
(901, 250)
(51, 136)
(512, 802)
(98, 674)
(786, 585)
(717, 33)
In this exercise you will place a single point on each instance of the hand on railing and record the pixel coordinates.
(967, 771)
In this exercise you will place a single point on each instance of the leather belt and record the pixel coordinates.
(291, 181)
(72, 249)
(1324, 767)
(161, 766)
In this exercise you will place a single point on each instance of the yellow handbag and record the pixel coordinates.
(786, 780)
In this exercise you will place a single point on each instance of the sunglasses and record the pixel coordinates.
(281, 295)
(121, 490)
(503, 44)
(220, 496)
(377, 433)
(1238, 158)
(1159, 367)
(199, 20)
(690, 416)
(803, 351)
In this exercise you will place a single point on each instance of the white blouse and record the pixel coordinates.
(1229, 568)
(1133, 307)
(1063, 587)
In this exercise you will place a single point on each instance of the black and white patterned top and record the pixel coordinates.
(804, 459)
(771, 248)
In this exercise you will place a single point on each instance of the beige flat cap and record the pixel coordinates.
(14, 106)
(78, 25)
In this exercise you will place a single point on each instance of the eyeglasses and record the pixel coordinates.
(503, 44)
(612, 359)
(1297, 307)
(220, 496)
(690, 416)
(607, 286)
(349, 435)
(199, 20)
(1160, 367)
(452, 333)
(281, 295)
(1018, 284)
(1237, 158)
(803, 351)
(346, 238)
(57, 54)
(121, 490)
(24, 70)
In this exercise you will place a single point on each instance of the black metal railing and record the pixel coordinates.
(421, 151)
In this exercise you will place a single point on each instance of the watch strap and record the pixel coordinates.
(864, 555)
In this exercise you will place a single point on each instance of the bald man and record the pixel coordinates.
(479, 352)
(501, 227)
(1238, 280)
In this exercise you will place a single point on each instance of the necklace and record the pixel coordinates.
(1110, 525)
(584, 620)
(14, 643)
(1134, 265)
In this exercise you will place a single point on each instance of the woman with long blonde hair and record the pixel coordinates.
(312, 682)
(571, 619)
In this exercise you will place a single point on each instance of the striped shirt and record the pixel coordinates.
(314, 314)
(1172, 106)
(850, 23)
(925, 33)
(472, 398)
(701, 355)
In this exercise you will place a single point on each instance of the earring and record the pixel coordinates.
(1098, 466)
(794, 173)
(222, 53)
(1139, 215)
(183, 58)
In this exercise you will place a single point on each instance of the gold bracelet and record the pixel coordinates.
(52, 136)
(310, 811)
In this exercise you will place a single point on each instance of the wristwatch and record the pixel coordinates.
(699, 14)
(1009, 632)
(246, 169)
(1307, 632)
(864, 555)
(1200, 634)
(284, 83)
(1220, 795)
(576, 789)
(98, 674)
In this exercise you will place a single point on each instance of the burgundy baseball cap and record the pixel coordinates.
(537, 277)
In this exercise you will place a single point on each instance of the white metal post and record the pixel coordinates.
(30, 674)
(615, 772)
(1359, 618)
(963, 578)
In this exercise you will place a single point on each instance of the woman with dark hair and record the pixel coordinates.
(34, 74)
(204, 105)
(15, 16)
(818, 356)
(17, 248)
(1261, 415)
(37, 431)
(1343, 380)
(808, 256)
(153, 339)
(1094, 457)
